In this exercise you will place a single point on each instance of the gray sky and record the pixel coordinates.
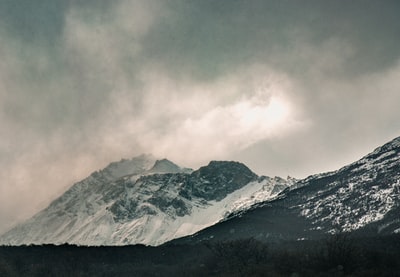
(287, 87)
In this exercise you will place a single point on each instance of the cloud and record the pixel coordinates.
(249, 106)
(287, 88)
(345, 120)
(55, 95)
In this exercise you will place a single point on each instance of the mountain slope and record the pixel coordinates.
(363, 197)
(145, 201)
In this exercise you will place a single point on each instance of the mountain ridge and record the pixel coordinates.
(143, 200)
(152, 201)
(362, 198)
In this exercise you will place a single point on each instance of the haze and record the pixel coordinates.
(287, 87)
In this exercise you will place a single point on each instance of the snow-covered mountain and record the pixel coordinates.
(362, 198)
(146, 201)
(151, 201)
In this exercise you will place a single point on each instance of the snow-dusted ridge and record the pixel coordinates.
(362, 198)
(360, 194)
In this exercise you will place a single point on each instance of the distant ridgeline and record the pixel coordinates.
(152, 201)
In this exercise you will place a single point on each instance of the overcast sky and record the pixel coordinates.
(287, 87)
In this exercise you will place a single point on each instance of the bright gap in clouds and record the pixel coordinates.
(224, 130)
(265, 116)
(217, 130)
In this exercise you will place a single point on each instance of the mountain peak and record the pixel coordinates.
(225, 165)
(165, 166)
(221, 178)
(136, 165)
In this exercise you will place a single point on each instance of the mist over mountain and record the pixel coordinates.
(145, 200)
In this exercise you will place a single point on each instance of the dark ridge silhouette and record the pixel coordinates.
(336, 255)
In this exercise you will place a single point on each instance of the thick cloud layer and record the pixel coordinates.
(288, 87)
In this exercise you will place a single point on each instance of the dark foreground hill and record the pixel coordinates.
(336, 255)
